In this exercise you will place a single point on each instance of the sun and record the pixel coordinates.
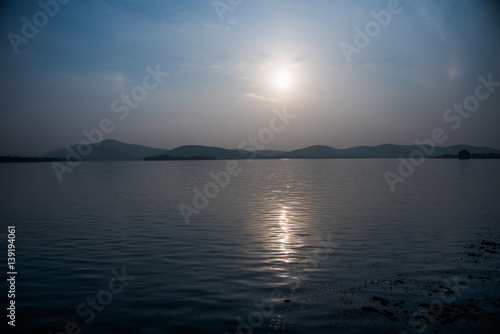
(282, 80)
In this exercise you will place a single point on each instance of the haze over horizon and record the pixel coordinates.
(228, 68)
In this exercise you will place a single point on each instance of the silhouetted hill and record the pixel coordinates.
(327, 152)
(114, 150)
(110, 149)
(314, 152)
(384, 151)
(217, 152)
(378, 152)
(171, 158)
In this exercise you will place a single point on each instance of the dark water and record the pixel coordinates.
(288, 246)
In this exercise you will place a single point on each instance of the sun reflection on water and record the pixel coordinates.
(284, 232)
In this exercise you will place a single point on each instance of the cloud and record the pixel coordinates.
(262, 98)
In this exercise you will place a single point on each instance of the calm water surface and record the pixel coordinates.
(289, 246)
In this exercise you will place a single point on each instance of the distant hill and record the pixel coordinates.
(114, 150)
(110, 149)
(384, 151)
(269, 153)
(379, 152)
(171, 158)
(314, 152)
(217, 152)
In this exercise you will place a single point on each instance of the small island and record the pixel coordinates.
(9, 159)
(466, 155)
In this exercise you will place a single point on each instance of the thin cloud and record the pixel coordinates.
(262, 98)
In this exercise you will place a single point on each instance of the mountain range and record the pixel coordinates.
(110, 149)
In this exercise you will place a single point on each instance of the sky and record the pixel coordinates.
(350, 74)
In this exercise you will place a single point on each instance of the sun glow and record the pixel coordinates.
(283, 80)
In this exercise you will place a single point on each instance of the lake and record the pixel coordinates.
(286, 246)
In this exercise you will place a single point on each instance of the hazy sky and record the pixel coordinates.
(224, 59)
